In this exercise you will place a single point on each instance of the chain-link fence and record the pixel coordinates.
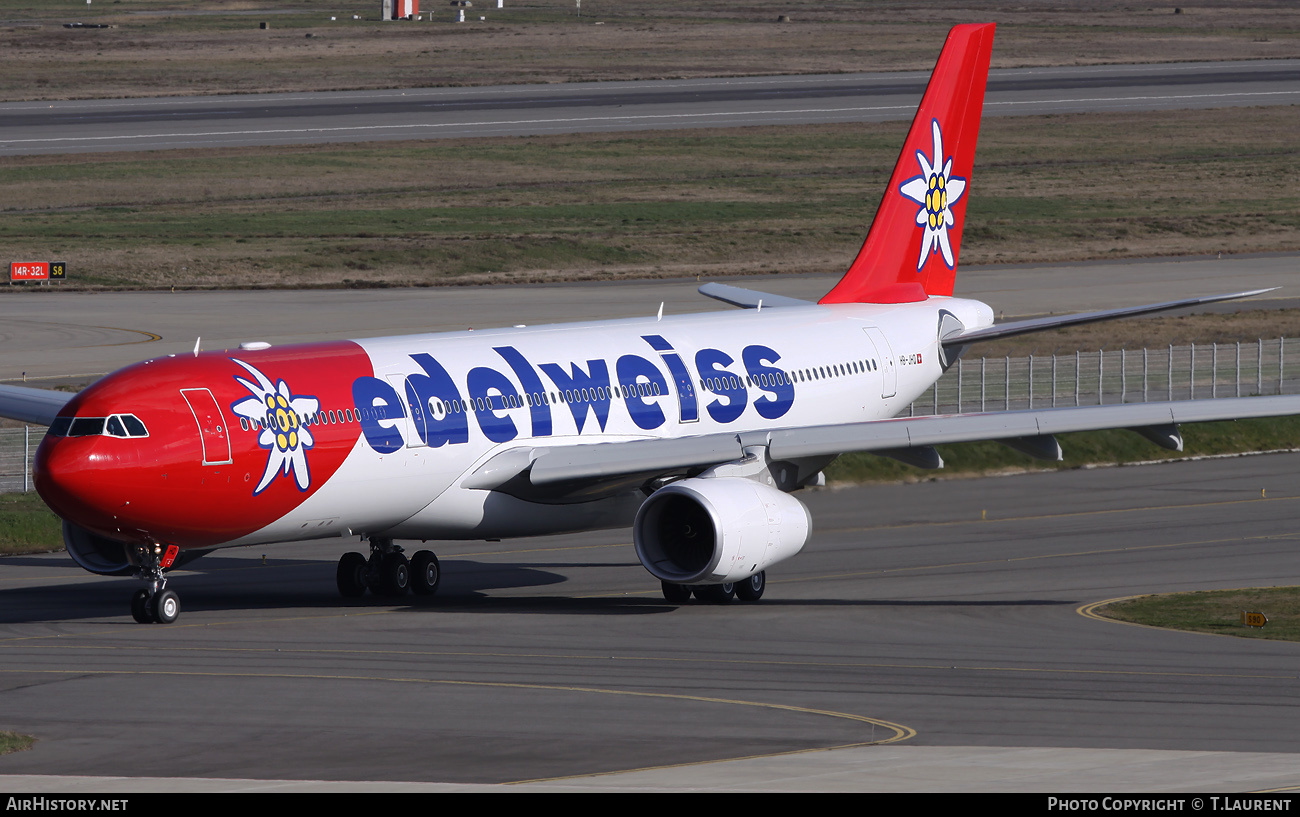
(1195, 372)
(17, 446)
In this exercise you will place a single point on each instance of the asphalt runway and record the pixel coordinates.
(424, 113)
(932, 630)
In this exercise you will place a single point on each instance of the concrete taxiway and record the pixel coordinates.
(930, 638)
(50, 335)
(76, 126)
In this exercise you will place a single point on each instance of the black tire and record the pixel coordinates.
(140, 607)
(351, 575)
(394, 575)
(165, 606)
(751, 589)
(676, 593)
(426, 573)
(715, 593)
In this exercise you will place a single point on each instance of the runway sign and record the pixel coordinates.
(37, 271)
(29, 271)
(1253, 619)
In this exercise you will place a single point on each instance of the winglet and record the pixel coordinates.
(912, 248)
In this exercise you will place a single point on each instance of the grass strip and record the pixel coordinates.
(643, 205)
(1079, 449)
(14, 742)
(27, 526)
(1216, 611)
(220, 46)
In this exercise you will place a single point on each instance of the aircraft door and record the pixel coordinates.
(884, 355)
(212, 426)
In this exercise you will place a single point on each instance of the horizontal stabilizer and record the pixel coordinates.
(748, 298)
(1010, 330)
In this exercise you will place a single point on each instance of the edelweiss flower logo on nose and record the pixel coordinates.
(936, 191)
(281, 415)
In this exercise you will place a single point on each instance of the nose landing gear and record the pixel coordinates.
(155, 604)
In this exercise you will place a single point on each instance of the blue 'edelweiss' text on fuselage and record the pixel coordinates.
(440, 410)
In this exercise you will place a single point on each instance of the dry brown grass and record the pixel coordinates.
(653, 204)
(160, 49)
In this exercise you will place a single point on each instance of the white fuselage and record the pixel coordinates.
(444, 404)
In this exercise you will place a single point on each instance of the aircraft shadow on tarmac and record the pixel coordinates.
(467, 585)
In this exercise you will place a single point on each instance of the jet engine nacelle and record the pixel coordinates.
(95, 553)
(718, 530)
(109, 557)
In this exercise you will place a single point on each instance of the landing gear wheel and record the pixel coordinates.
(751, 589)
(140, 607)
(166, 606)
(426, 573)
(715, 593)
(676, 593)
(394, 575)
(351, 575)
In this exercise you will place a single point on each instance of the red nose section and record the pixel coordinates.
(201, 466)
(70, 475)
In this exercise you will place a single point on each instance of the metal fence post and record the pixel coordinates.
(1191, 383)
(1101, 369)
(1053, 379)
(959, 379)
(1076, 377)
(1123, 375)
(1031, 380)
(983, 370)
(27, 456)
(1145, 398)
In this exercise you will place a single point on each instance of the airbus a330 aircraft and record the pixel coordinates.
(697, 429)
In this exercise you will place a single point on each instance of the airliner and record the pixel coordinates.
(698, 430)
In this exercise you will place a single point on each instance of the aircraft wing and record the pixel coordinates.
(1024, 327)
(576, 472)
(30, 405)
(1157, 421)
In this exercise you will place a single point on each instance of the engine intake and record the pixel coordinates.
(718, 530)
(95, 553)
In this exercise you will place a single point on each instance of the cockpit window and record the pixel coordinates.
(86, 427)
(118, 425)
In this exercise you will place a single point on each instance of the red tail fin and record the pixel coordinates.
(911, 250)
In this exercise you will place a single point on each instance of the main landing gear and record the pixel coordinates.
(750, 589)
(388, 572)
(154, 603)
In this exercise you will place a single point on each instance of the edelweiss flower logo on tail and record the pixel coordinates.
(936, 191)
(281, 414)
